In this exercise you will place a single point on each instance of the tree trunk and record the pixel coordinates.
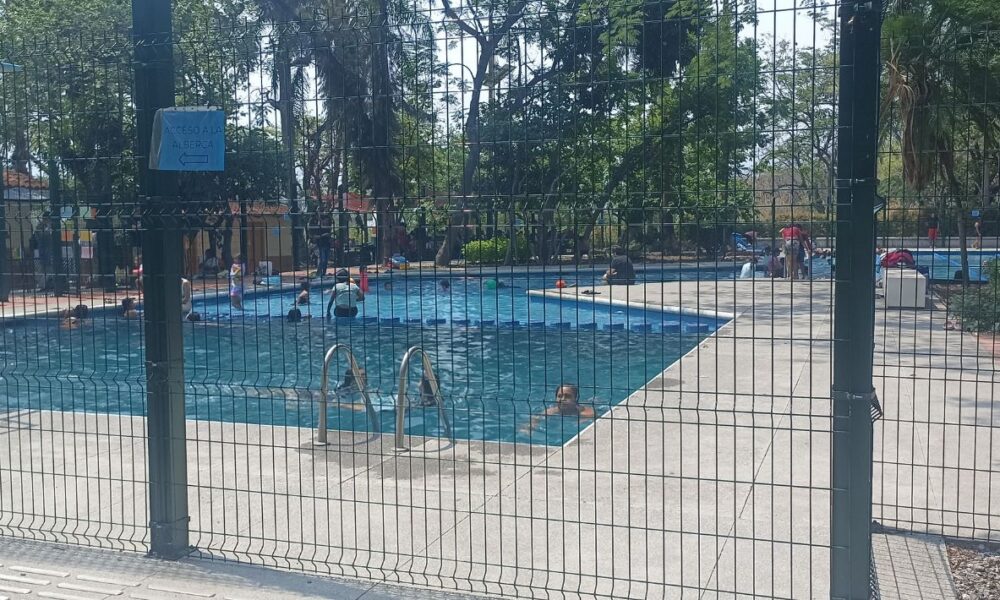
(963, 245)
(443, 257)
(385, 180)
(512, 236)
(244, 235)
(227, 241)
(287, 114)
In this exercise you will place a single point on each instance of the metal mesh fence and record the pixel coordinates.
(607, 228)
(934, 470)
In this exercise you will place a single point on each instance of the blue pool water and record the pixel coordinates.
(943, 264)
(499, 355)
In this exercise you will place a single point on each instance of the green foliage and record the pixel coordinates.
(77, 55)
(486, 251)
(495, 250)
(979, 308)
(255, 167)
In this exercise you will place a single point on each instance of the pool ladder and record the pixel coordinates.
(404, 369)
(321, 427)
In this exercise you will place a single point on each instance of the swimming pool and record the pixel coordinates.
(499, 355)
(942, 265)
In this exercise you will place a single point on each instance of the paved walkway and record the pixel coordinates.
(31, 303)
(712, 479)
(40, 570)
(912, 567)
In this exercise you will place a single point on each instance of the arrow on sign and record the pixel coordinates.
(193, 159)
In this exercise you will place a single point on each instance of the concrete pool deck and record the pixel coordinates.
(712, 479)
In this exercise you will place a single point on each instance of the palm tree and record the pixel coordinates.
(352, 64)
(943, 82)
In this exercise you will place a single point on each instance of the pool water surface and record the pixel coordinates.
(499, 355)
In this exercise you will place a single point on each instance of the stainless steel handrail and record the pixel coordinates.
(321, 427)
(404, 369)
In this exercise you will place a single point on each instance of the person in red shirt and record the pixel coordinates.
(795, 240)
(932, 228)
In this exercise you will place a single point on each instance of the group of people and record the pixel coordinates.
(789, 259)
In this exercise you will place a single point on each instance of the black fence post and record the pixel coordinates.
(162, 255)
(854, 313)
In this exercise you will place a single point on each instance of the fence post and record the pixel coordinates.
(854, 313)
(162, 256)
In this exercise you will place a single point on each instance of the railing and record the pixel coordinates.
(404, 369)
(321, 426)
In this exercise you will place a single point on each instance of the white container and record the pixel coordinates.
(904, 288)
(265, 268)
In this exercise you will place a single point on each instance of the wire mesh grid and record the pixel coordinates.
(935, 366)
(609, 226)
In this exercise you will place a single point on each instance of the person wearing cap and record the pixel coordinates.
(346, 295)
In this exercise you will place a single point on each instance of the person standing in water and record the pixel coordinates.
(303, 297)
(236, 273)
(187, 298)
(346, 295)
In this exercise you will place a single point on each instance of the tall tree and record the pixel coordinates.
(943, 100)
(488, 23)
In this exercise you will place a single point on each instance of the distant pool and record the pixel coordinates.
(499, 355)
(942, 265)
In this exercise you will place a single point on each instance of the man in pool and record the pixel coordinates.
(567, 405)
(346, 295)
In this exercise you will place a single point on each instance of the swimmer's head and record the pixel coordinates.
(343, 276)
(567, 394)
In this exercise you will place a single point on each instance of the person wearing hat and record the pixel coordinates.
(346, 295)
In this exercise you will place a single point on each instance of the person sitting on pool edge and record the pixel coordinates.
(567, 405)
(621, 271)
(346, 295)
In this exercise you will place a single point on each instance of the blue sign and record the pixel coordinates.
(975, 213)
(188, 139)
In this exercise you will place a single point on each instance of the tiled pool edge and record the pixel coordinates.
(662, 308)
